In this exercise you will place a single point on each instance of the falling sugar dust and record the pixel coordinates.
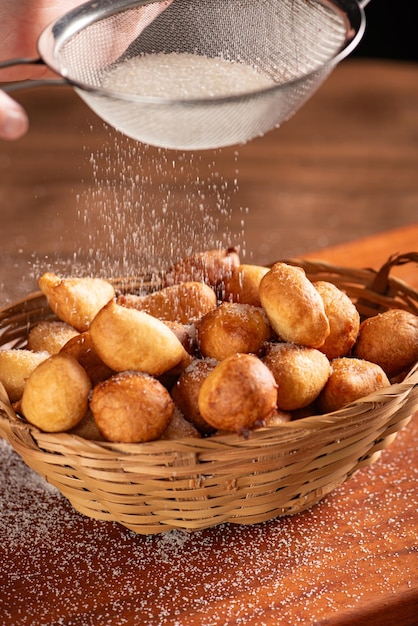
(149, 207)
(146, 207)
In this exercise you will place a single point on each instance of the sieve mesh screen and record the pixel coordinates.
(285, 39)
(293, 43)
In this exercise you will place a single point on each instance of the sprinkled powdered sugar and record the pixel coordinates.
(149, 208)
(78, 565)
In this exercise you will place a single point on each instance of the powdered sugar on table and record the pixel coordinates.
(89, 572)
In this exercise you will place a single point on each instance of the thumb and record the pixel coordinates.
(13, 119)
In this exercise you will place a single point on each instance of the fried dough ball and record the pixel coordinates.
(56, 394)
(87, 428)
(180, 428)
(186, 337)
(50, 336)
(81, 347)
(15, 368)
(300, 373)
(76, 300)
(350, 380)
(127, 339)
(293, 306)
(209, 267)
(183, 303)
(185, 392)
(243, 284)
(186, 334)
(277, 418)
(389, 339)
(343, 317)
(232, 327)
(131, 407)
(239, 394)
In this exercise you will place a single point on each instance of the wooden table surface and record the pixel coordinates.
(337, 182)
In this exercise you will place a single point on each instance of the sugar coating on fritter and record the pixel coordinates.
(343, 318)
(300, 373)
(350, 379)
(293, 306)
(131, 407)
(232, 328)
(389, 339)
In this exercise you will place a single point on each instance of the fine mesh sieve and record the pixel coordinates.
(292, 44)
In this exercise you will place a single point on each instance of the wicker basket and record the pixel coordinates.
(198, 483)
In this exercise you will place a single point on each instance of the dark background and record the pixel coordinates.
(391, 32)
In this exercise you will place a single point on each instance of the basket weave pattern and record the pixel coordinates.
(198, 483)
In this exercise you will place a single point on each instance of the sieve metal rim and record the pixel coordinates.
(72, 22)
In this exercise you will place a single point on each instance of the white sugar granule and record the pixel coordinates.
(184, 76)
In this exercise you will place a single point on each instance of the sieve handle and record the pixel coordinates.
(21, 61)
(25, 84)
(28, 84)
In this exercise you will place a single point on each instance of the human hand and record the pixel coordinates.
(21, 23)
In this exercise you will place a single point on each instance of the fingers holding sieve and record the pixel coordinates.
(192, 51)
